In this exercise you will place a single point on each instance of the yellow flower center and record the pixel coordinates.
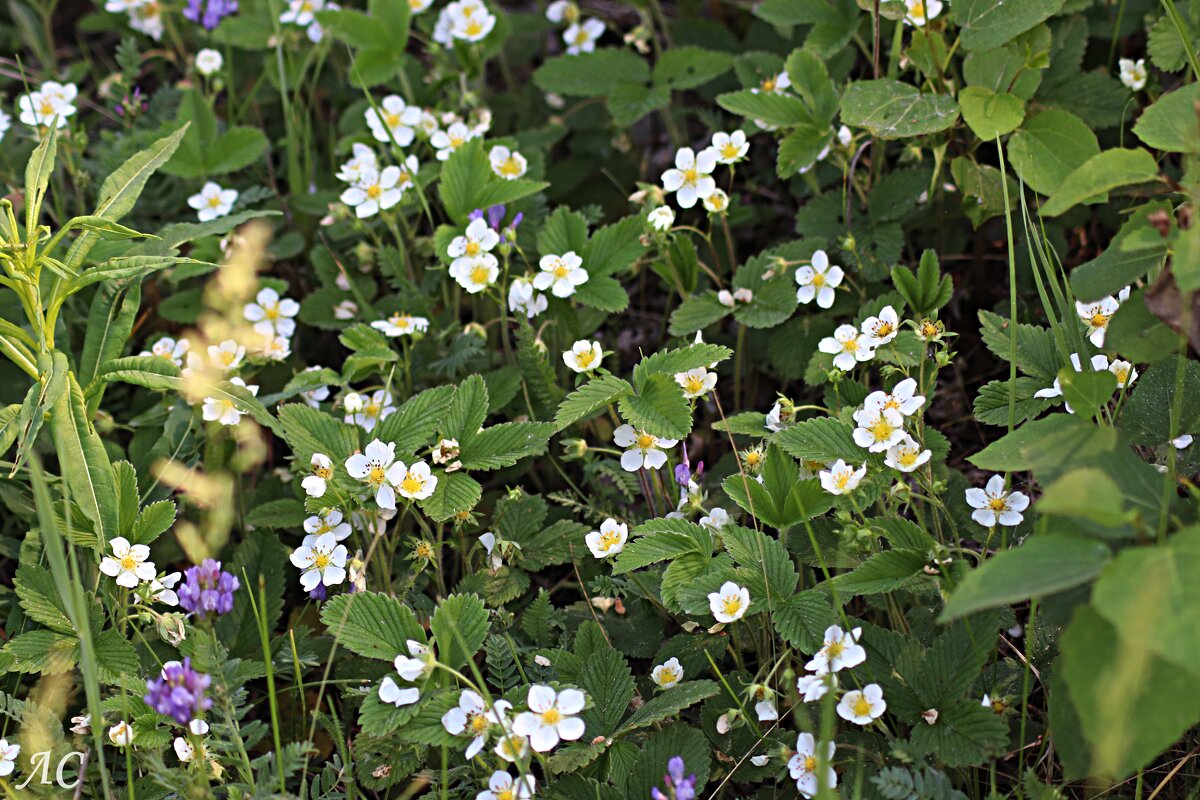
(401, 320)
(862, 706)
(371, 409)
(1098, 320)
(456, 142)
(271, 311)
(552, 716)
(214, 201)
(424, 550)
(609, 539)
(753, 458)
(321, 560)
(478, 724)
(907, 457)
(128, 563)
(694, 385)
(412, 483)
(472, 248)
(834, 649)
(730, 150)
(560, 270)
(810, 763)
(584, 360)
(997, 504)
(731, 605)
(818, 280)
(374, 191)
(581, 37)
(47, 108)
(918, 10)
(883, 329)
(768, 85)
(376, 476)
(690, 175)
(510, 167)
(668, 675)
(645, 441)
(474, 27)
(850, 345)
(1122, 374)
(227, 356)
(392, 120)
(842, 479)
(479, 275)
(881, 430)
(323, 472)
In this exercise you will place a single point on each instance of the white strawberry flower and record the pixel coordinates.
(525, 299)
(609, 540)
(397, 695)
(730, 147)
(883, 328)
(375, 191)
(51, 100)
(418, 664)
(643, 450)
(321, 561)
(584, 356)
(507, 164)
(847, 347)
(691, 179)
(774, 84)
(362, 159)
(1098, 314)
(878, 428)
(209, 62)
(470, 20)
(696, 382)
(212, 201)
(393, 121)
(560, 274)
(1123, 371)
(475, 273)
(919, 12)
(471, 717)
(511, 747)
(1133, 73)
(717, 202)
(162, 590)
(562, 11)
(551, 717)
(448, 140)
(818, 280)
(367, 412)
(580, 37)
(995, 505)
(729, 603)
(223, 409)
(903, 398)
(906, 455)
(477, 239)
(121, 734)
(128, 563)
(502, 786)
(416, 481)
(812, 688)
(332, 521)
(661, 219)
(377, 467)
(169, 348)
(272, 314)
(227, 355)
(418, 6)
(716, 519)
(400, 324)
(804, 764)
(862, 707)
(840, 650)
(841, 478)
(322, 472)
(667, 674)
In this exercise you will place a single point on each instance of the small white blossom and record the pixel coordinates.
(804, 763)
(691, 179)
(994, 505)
(841, 478)
(730, 603)
(667, 674)
(818, 280)
(209, 62)
(584, 356)
(322, 472)
(507, 164)
(848, 347)
(839, 651)
(212, 201)
(272, 314)
(920, 12)
(644, 450)
(525, 299)
(399, 324)
(223, 409)
(609, 540)
(377, 467)
(730, 147)
(878, 428)
(393, 121)
(448, 140)
(121, 734)
(661, 218)
(696, 382)
(551, 717)
(1133, 73)
(862, 707)
(580, 37)
(906, 455)
(128, 563)
(883, 328)
(560, 274)
(321, 561)
(502, 786)
(331, 522)
(475, 273)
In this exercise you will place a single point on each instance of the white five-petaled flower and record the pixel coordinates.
(906, 455)
(730, 602)
(1123, 371)
(397, 695)
(475, 273)
(209, 62)
(774, 84)
(321, 561)
(162, 590)
(691, 178)
(919, 12)
(362, 158)
(839, 651)
(1133, 73)
(661, 218)
(448, 140)
(584, 356)
(166, 347)
(862, 707)
(377, 467)
(121, 734)
(803, 765)
(730, 147)
(524, 298)
(716, 519)
(1098, 314)
(331, 521)
(580, 37)
(477, 239)
(644, 449)
(227, 355)
(393, 120)
(816, 685)
(716, 202)
(848, 347)
(212, 201)
(512, 747)
(470, 20)
(507, 164)
(272, 314)
(502, 786)
(696, 382)
(841, 478)
(562, 11)
(818, 280)
(128, 563)
(883, 328)
(879, 427)
(322, 472)
(560, 274)
(551, 717)
(609, 540)
(400, 324)
(52, 102)
(413, 667)
(374, 191)
(471, 717)
(224, 409)
(995, 505)
(8, 757)
(902, 398)
(416, 481)
(667, 674)
(367, 412)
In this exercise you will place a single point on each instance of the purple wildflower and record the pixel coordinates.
(207, 590)
(678, 786)
(179, 692)
(495, 215)
(682, 474)
(320, 593)
(209, 13)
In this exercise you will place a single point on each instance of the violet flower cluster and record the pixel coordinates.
(178, 692)
(678, 787)
(209, 13)
(207, 590)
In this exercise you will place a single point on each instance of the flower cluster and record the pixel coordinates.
(179, 692)
(208, 590)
